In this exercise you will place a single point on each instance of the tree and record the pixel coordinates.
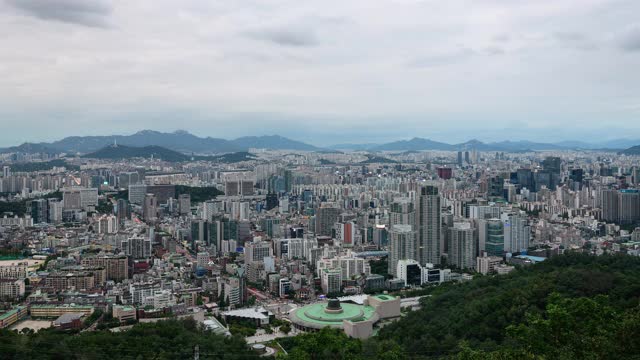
(286, 328)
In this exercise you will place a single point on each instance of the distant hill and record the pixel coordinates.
(417, 144)
(272, 142)
(233, 157)
(184, 142)
(115, 152)
(414, 144)
(634, 150)
(30, 148)
(180, 141)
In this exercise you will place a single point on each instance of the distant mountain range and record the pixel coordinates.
(118, 152)
(634, 150)
(180, 141)
(186, 143)
(417, 144)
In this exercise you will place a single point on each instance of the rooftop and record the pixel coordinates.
(250, 313)
(316, 316)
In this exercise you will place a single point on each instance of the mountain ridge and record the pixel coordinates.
(185, 142)
(180, 141)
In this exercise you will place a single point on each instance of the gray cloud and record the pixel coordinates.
(575, 40)
(286, 36)
(630, 40)
(443, 59)
(93, 13)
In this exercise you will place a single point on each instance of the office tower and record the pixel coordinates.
(271, 226)
(495, 187)
(307, 196)
(466, 157)
(71, 199)
(402, 212)
(346, 233)
(202, 259)
(491, 237)
(609, 203)
(123, 212)
(429, 225)
(150, 208)
(184, 204)
(525, 179)
(257, 251)
(39, 210)
(137, 193)
(552, 164)
(288, 180)
(550, 175)
(199, 231)
(576, 175)
(79, 198)
(128, 178)
(331, 281)
(138, 247)
(402, 240)
(517, 232)
(628, 206)
(326, 216)
(459, 158)
(635, 175)
(240, 210)
(55, 211)
(271, 201)
(410, 272)
(238, 187)
(462, 245)
(6, 171)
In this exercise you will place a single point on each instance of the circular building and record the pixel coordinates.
(333, 314)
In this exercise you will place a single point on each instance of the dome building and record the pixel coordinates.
(357, 320)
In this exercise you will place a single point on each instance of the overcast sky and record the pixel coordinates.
(330, 71)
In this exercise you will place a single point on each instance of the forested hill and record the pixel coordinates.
(573, 306)
(554, 308)
(162, 340)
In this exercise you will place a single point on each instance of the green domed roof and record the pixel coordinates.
(317, 316)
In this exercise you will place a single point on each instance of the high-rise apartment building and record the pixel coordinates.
(428, 225)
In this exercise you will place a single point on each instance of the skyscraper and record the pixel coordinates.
(150, 208)
(184, 203)
(402, 212)
(517, 232)
(491, 237)
(402, 242)
(429, 225)
(609, 203)
(326, 217)
(462, 245)
(123, 212)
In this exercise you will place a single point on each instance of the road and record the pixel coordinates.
(268, 337)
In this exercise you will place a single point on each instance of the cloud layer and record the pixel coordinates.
(330, 71)
(82, 12)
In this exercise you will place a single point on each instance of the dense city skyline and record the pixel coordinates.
(322, 72)
(345, 179)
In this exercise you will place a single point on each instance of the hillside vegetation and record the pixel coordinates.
(574, 306)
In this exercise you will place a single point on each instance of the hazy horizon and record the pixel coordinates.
(323, 73)
(328, 144)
